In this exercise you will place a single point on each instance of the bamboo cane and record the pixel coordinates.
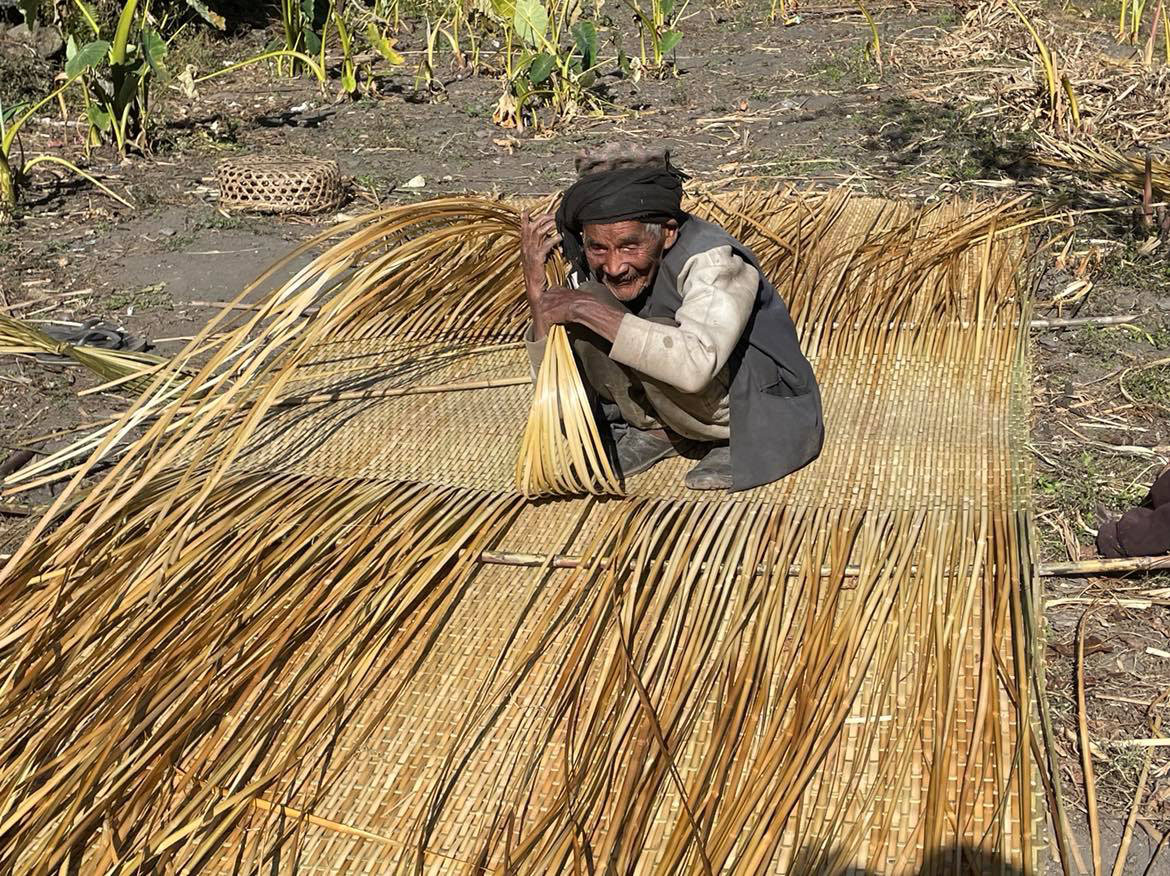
(1119, 566)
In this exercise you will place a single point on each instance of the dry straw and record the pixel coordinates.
(209, 664)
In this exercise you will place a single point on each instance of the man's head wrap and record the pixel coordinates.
(618, 187)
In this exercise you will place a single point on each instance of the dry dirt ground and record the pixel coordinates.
(750, 102)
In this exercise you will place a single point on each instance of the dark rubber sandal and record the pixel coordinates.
(713, 472)
(638, 450)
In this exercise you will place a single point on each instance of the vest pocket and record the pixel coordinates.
(772, 377)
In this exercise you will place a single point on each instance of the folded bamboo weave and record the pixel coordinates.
(268, 640)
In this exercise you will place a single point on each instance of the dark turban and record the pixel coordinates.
(645, 194)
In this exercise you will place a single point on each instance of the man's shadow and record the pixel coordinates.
(962, 860)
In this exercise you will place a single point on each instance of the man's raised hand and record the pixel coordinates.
(538, 238)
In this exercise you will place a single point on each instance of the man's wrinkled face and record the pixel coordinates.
(625, 256)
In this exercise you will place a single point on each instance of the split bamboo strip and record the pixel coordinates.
(1120, 566)
(120, 367)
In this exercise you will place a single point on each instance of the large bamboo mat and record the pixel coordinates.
(830, 674)
(921, 441)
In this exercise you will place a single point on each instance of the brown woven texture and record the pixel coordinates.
(396, 662)
(279, 185)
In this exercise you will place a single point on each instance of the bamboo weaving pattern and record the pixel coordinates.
(306, 621)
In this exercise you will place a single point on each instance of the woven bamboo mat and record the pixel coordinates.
(327, 635)
(920, 471)
(390, 786)
(907, 435)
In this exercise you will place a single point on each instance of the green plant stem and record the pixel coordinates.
(122, 33)
(54, 159)
(15, 126)
(7, 189)
(88, 16)
(275, 53)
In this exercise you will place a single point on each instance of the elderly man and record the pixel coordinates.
(674, 326)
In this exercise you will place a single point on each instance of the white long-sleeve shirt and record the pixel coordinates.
(718, 291)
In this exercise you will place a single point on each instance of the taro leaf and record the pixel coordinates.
(132, 77)
(531, 21)
(541, 69)
(585, 37)
(623, 62)
(213, 18)
(669, 40)
(154, 48)
(383, 46)
(308, 11)
(665, 7)
(312, 41)
(8, 113)
(99, 118)
(86, 58)
(588, 79)
(504, 9)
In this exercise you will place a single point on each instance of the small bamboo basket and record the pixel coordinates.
(280, 185)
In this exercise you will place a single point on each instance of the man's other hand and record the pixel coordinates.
(586, 306)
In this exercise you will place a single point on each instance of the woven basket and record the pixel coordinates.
(279, 185)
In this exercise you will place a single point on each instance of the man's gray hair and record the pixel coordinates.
(654, 229)
(621, 156)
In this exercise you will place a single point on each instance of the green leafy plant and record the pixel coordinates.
(117, 74)
(303, 24)
(1058, 89)
(549, 60)
(337, 18)
(874, 47)
(657, 27)
(351, 62)
(12, 119)
(455, 25)
(1129, 29)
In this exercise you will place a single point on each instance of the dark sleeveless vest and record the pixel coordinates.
(776, 424)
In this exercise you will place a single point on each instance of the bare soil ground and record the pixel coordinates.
(751, 102)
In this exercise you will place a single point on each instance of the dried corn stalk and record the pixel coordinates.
(561, 452)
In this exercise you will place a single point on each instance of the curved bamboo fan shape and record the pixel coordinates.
(561, 452)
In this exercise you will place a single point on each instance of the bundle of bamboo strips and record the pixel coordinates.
(121, 368)
(212, 668)
(1101, 161)
(561, 452)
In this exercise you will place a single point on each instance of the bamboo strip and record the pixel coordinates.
(361, 395)
(1124, 319)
